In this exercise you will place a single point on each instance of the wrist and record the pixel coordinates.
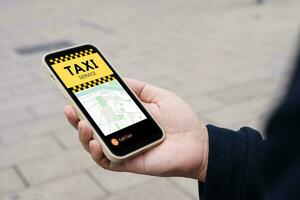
(201, 175)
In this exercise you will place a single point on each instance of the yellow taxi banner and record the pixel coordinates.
(82, 69)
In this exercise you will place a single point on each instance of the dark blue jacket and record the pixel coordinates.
(243, 166)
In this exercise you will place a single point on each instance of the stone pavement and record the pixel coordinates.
(229, 61)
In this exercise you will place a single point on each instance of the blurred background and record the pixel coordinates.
(230, 60)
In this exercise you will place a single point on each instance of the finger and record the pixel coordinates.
(98, 155)
(135, 85)
(71, 115)
(146, 92)
(85, 134)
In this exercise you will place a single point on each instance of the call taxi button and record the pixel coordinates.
(114, 142)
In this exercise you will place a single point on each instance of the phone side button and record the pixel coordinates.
(51, 77)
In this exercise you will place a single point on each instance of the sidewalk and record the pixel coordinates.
(230, 61)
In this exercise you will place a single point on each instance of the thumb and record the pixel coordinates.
(146, 92)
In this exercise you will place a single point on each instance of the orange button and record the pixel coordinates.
(114, 142)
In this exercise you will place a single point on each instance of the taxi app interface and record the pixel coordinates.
(88, 77)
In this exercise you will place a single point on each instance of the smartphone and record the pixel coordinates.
(120, 122)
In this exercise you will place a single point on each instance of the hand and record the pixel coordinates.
(184, 152)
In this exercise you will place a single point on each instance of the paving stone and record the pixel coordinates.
(27, 149)
(198, 87)
(51, 124)
(250, 75)
(68, 136)
(239, 112)
(79, 187)
(21, 101)
(248, 90)
(118, 181)
(9, 117)
(231, 47)
(9, 181)
(202, 102)
(159, 189)
(43, 110)
(59, 165)
(23, 78)
(44, 86)
(189, 185)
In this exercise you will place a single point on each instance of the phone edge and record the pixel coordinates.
(110, 155)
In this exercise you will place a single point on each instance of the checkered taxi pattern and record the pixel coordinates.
(92, 83)
(71, 56)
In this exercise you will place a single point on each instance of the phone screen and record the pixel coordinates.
(94, 84)
(102, 95)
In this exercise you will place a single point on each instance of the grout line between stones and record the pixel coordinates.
(21, 175)
(181, 189)
(107, 192)
(57, 140)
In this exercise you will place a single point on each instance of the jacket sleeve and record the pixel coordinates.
(281, 154)
(242, 166)
(232, 163)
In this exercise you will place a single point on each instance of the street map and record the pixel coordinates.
(110, 106)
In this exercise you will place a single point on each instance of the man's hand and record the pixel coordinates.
(184, 152)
